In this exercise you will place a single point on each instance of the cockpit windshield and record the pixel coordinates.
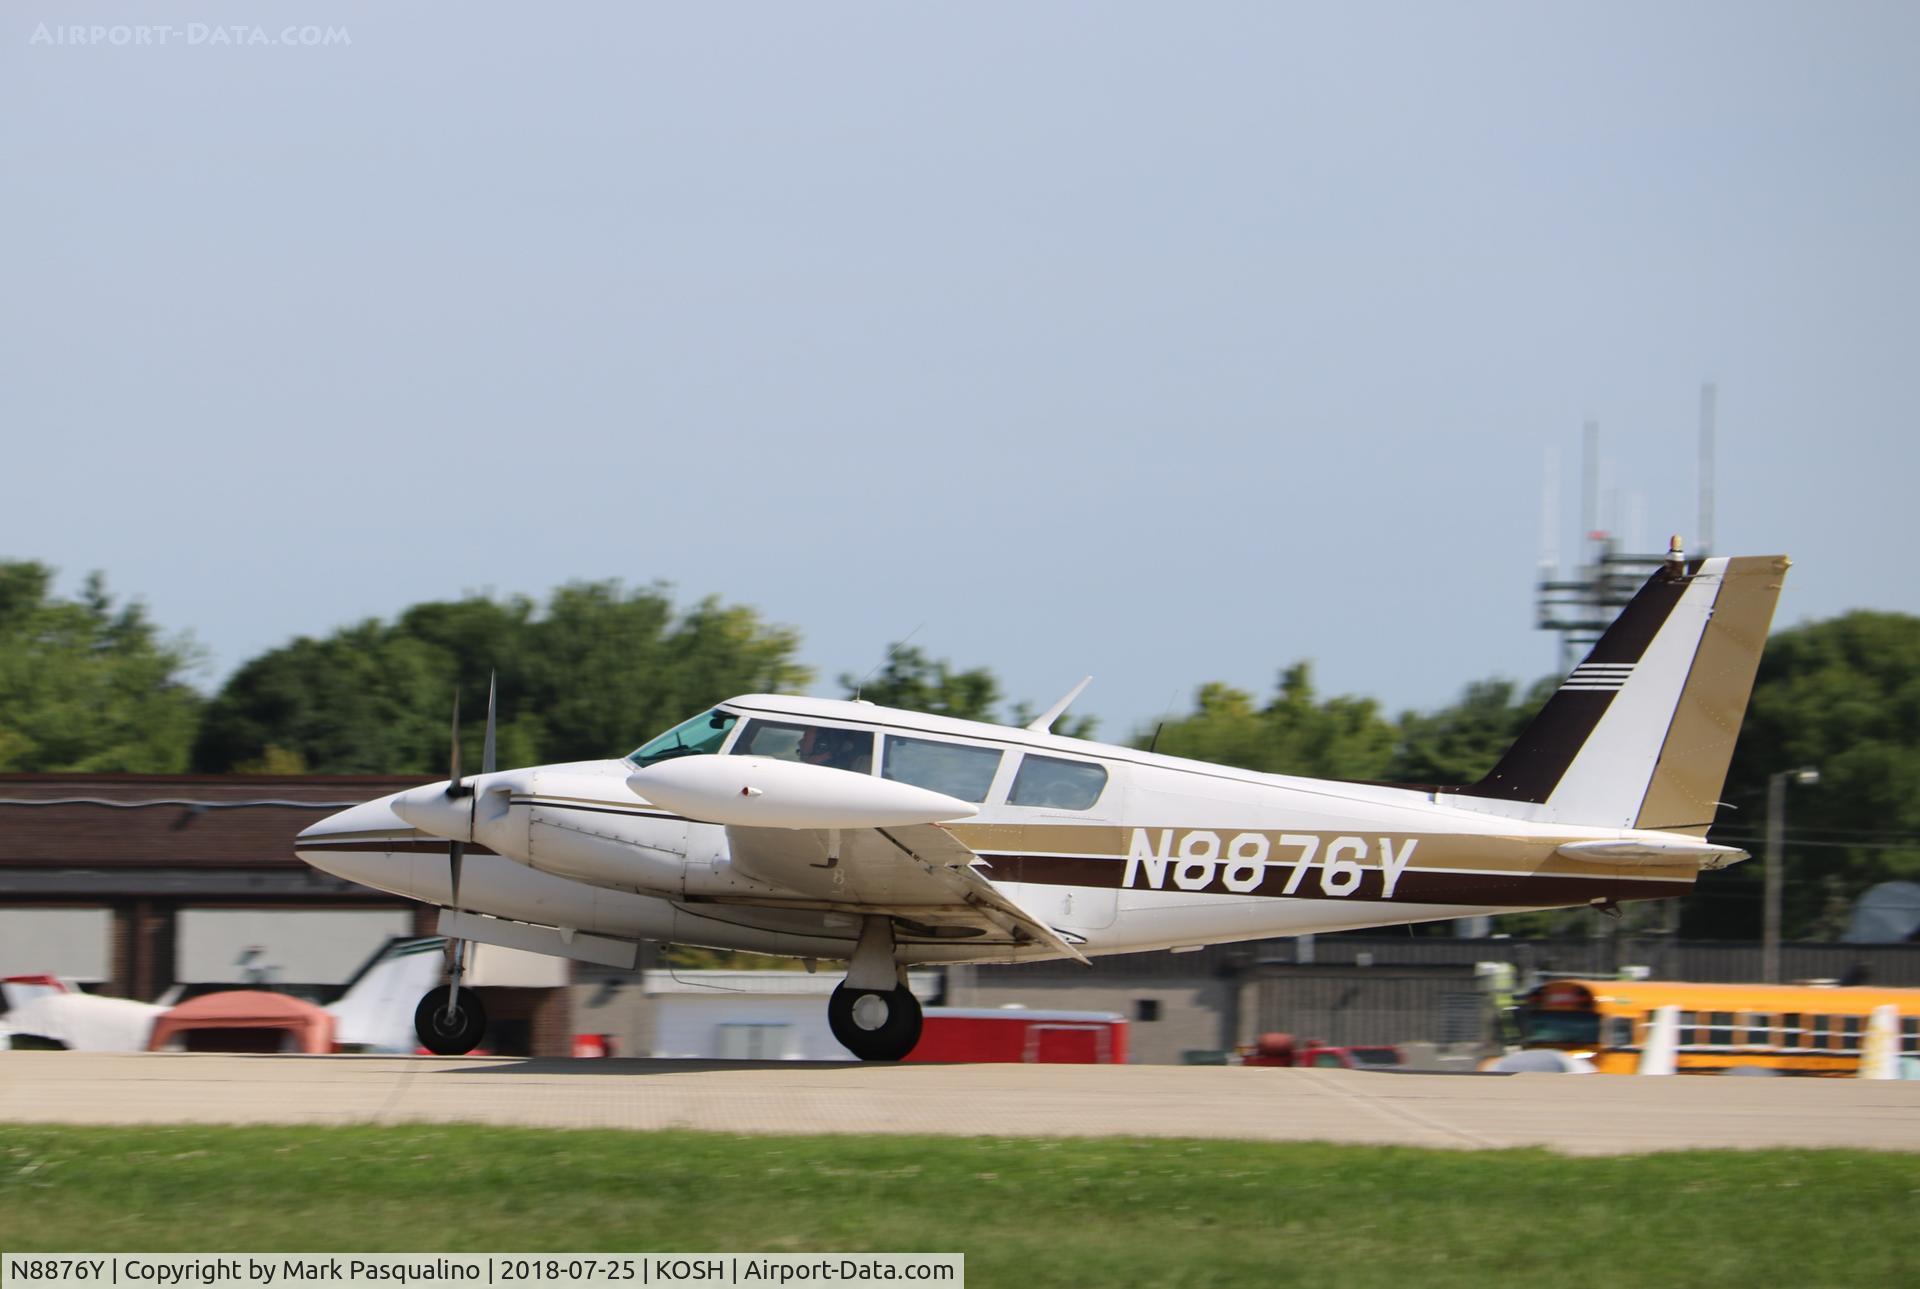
(703, 734)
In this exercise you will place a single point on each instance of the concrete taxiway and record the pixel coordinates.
(1591, 1114)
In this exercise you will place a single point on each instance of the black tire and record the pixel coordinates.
(889, 1040)
(445, 1035)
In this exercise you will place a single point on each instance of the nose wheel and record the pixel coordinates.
(875, 1024)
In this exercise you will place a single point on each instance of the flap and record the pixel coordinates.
(919, 872)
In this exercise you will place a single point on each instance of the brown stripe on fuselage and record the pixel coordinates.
(1486, 853)
(396, 846)
(1516, 888)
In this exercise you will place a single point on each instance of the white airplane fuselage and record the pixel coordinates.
(820, 828)
(1173, 854)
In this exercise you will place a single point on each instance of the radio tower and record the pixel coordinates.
(1582, 604)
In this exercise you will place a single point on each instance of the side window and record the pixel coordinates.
(1720, 1030)
(1619, 1031)
(953, 768)
(812, 744)
(1910, 1035)
(1062, 785)
(1759, 1031)
(1791, 1035)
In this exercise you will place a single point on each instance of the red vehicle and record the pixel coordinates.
(1015, 1034)
(1281, 1050)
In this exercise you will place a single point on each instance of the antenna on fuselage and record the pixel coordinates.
(892, 649)
(1043, 723)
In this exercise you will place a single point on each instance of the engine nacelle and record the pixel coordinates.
(757, 792)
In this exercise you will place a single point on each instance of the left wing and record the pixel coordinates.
(919, 873)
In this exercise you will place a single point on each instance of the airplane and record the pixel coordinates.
(838, 829)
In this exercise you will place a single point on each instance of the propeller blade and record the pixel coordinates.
(456, 850)
(453, 757)
(486, 754)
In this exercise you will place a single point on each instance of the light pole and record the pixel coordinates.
(1776, 826)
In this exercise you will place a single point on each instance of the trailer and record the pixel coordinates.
(1021, 1035)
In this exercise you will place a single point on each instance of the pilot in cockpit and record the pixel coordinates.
(837, 749)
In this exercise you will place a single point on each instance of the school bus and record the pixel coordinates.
(1792, 1029)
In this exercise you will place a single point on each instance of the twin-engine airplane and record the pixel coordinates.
(841, 830)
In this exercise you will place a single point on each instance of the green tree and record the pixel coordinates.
(86, 686)
(913, 682)
(1459, 743)
(1295, 733)
(1841, 696)
(595, 673)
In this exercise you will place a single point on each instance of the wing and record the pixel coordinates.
(917, 873)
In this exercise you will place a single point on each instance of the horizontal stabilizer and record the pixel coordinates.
(1679, 850)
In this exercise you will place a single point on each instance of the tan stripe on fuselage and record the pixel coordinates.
(1444, 852)
(1692, 769)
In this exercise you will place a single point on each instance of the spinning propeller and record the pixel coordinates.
(458, 790)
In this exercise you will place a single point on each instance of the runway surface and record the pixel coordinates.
(1591, 1114)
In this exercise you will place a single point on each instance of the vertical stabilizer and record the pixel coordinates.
(1640, 734)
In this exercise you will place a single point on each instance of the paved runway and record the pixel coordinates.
(1592, 1114)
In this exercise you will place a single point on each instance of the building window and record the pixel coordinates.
(1146, 1009)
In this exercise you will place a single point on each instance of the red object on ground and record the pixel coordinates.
(244, 1020)
(590, 1045)
(1271, 1049)
(1015, 1034)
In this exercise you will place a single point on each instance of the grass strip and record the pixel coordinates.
(1025, 1212)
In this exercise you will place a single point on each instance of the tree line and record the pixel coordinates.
(88, 684)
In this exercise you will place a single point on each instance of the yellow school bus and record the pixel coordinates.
(1792, 1029)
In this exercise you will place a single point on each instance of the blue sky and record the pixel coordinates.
(1167, 343)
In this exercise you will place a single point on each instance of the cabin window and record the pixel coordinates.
(1759, 1031)
(1910, 1035)
(702, 735)
(1060, 785)
(1619, 1031)
(1720, 1029)
(1791, 1035)
(1850, 1033)
(1688, 1035)
(1823, 1032)
(953, 768)
(836, 749)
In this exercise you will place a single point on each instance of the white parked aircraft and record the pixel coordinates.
(841, 830)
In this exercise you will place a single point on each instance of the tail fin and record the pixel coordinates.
(1640, 734)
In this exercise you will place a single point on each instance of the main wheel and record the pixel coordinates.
(450, 1034)
(875, 1024)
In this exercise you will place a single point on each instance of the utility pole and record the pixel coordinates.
(1775, 875)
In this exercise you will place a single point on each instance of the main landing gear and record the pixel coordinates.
(872, 1013)
(451, 1021)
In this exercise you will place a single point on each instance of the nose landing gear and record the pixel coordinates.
(451, 1021)
(873, 1014)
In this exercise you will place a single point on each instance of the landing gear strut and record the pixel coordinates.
(873, 1013)
(451, 1021)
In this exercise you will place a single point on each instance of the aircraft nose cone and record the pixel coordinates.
(431, 810)
(369, 818)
